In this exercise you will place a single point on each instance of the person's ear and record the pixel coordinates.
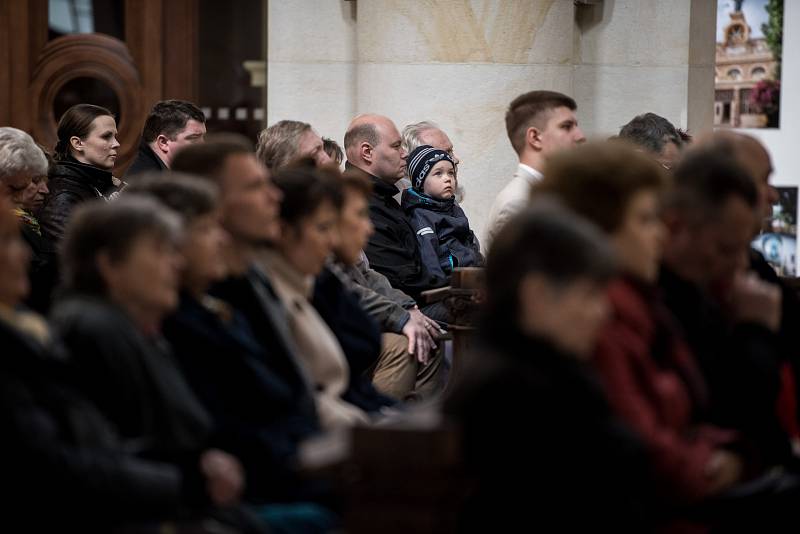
(366, 151)
(162, 142)
(76, 143)
(533, 138)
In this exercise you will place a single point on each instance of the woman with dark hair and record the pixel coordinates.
(309, 224)
(333, 298)
(85, 155)
(539, 438)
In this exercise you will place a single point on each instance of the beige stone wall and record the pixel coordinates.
(312, 66)
(459, 63)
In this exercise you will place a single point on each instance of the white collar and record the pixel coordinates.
(535, 175)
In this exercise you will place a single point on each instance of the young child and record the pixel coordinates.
(445, 239)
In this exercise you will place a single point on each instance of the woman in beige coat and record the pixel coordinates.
(309, 230)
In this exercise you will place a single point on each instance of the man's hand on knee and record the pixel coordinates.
(420, 331)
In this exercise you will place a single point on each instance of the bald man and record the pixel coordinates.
(374, 149)
(753, 157)
(729, 317)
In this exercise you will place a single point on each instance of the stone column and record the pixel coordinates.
(311, 70)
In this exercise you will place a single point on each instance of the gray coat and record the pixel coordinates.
(386, 305)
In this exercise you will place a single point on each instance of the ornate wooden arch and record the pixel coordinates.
(157, 60)
(93, 56)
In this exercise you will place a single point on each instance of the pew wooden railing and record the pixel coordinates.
(397, 477)
(461, 298)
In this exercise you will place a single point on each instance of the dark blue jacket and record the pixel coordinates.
(358, 335)
(255, 411)
(443, 233)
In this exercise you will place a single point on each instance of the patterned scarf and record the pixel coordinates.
(28, 219)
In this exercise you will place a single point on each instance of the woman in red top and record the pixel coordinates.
(650, 375)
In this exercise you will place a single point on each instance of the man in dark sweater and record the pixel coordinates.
(752, 156)
(170, 126)
(729, 316)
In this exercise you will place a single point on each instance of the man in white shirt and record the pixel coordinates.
(538, 123)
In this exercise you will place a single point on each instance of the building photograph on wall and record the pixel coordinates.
(778, 239)
(748, 63)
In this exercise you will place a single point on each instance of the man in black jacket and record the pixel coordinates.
(752, 156)
(729, 316)
(374, 149)
(171, 125)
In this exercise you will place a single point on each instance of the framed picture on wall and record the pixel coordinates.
(778, 240)
(747, 76)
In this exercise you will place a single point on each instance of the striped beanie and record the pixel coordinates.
(420, 162)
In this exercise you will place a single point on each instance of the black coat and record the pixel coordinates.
(133, 379)
(789, 334)
(542, 444)
(146, 161)
(253, 296)
(740, 362)
(71, 183)
(392, 249)
(42, 270)
(66, 467)
(254, 411)
(358, 335)
(444, 236)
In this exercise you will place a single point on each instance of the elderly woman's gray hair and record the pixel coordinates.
(19, 154)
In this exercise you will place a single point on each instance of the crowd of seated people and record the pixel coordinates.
(172, 338)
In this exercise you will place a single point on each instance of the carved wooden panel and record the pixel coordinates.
(93, 56)
(157, 60)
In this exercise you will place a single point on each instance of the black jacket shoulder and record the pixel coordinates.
(60, 454)
(146, 161)
(392, 249)
(72, 183)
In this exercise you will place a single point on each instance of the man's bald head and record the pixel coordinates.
(752, 157)
(373, 144)
(362, 129)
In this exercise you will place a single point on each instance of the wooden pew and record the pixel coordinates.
(398, 477)
(405, 474)
(462, 298)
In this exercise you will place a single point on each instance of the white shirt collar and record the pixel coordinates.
(536, 175)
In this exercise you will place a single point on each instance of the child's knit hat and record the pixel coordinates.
(420, 162)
